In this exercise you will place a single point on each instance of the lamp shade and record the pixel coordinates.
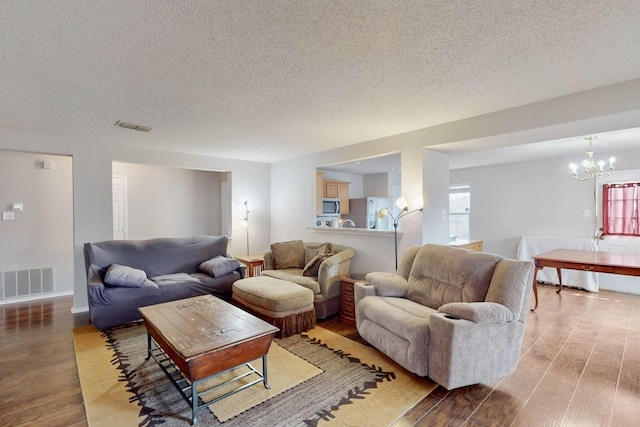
(402, 203)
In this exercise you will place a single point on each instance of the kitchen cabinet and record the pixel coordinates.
(336, 190)
(331, 189)
(343, 195)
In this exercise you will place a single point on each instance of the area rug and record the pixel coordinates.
(318, 378)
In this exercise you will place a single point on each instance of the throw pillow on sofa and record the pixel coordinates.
(125, 277)
(311, 251)
(219, 266)
(311, 269)
(288, 254)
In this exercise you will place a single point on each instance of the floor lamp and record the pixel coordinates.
(245, 222)
(382, 213)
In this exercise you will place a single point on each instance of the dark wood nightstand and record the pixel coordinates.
(347, 301)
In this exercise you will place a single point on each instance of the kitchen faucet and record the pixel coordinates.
(353, 224)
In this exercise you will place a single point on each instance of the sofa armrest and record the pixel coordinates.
(330, 271)
(388, 284)
(478, 312)
(338, 258)
(361, 290)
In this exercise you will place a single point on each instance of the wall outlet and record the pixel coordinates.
(8, 216)
(586, 213)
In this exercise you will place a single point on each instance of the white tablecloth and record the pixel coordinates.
(535, 245)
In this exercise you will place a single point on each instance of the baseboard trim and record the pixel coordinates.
(35, 297)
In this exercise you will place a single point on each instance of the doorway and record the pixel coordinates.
(119, 197)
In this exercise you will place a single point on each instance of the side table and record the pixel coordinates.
(254, 263)
(347, 301)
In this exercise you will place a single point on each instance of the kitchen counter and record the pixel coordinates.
(357, 231)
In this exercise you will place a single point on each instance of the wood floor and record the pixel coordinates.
(579, 366)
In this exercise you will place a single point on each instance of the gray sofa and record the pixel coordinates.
(452, 314)
(324, 281)
(123, 275)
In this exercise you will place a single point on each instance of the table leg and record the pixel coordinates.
(535, 286)
(559, 281)
(194, 402)
(148, 347)
(264, 371)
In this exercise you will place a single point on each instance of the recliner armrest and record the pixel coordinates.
(361, 290)
(388, 284)
(478, 312)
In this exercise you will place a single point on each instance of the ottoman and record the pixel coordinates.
(284, 304)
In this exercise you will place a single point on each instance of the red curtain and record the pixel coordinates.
(620, 209)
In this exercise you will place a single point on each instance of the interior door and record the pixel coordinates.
(119, 197)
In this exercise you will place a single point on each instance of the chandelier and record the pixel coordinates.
(591, 168)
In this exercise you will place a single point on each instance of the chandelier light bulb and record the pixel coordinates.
(591, 168)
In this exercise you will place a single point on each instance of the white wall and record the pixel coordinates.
(189, 203)
(92, 207)
(376, 185)
(541, 198)
(41, 235)
(436, 198)
(605, 109)
(538, 197)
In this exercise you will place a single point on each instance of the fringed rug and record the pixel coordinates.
(318, 378)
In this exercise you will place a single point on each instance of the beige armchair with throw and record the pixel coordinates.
(451, 314)
(317, 266)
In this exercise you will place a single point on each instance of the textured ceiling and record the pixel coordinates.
(273, 80)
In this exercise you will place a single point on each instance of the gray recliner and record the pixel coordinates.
(454, 315)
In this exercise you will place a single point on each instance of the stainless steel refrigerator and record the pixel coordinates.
(363, 212)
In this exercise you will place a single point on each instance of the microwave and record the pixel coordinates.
(330, 207)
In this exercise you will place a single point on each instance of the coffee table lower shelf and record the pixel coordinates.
(189, 389)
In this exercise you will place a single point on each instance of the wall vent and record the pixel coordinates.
(132, 126)
(24, 283)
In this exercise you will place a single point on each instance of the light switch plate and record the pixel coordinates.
(7, 216)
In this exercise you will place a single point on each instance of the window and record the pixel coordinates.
(459, 210)
(620, 209)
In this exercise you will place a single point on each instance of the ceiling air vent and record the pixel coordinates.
(132, 126)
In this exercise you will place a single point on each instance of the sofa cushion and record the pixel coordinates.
(176, 278)
(441, 274)
(294, 275)
(157, 256)
(219, 266)
(125, 277)
(312, 249)
(402, 317)
(272, 294)
(288, 254)
(312, 267)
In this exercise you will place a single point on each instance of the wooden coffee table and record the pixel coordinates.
(204, 337)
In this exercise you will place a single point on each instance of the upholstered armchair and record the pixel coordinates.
(451, 314)
(317, 266)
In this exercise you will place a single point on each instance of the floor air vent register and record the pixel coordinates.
(22, 283)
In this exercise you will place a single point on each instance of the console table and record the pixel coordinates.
(593, 261)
